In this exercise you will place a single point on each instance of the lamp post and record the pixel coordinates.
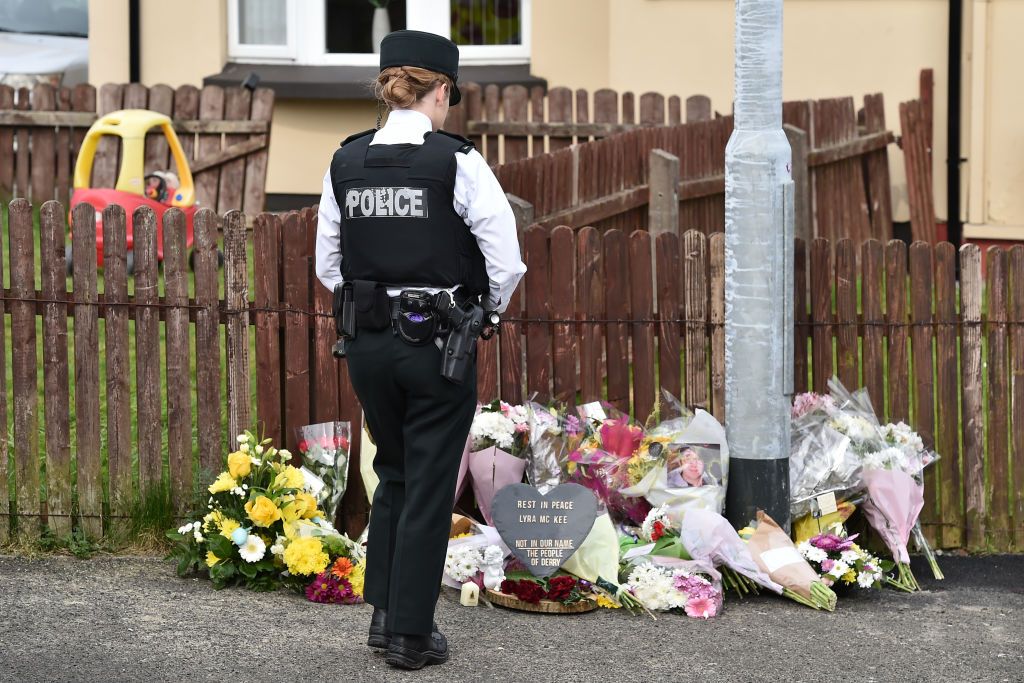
(758, 273)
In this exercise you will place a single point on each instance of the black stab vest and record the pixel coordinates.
(398, 222)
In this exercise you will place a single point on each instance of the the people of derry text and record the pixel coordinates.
(413, 222)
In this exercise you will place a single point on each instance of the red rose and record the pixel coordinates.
(524, 589)
(560, 587)
(659, 531)
(303, 446)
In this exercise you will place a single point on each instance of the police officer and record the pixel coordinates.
(409, 211)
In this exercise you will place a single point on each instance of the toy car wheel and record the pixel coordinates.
(68, 265)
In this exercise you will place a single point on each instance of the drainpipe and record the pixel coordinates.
(954, 159)
(134, 61)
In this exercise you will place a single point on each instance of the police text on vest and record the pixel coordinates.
(386, 202)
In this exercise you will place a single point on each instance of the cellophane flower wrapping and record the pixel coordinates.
(682, 462)
(325, 455)
(550, 436)
(600, 461)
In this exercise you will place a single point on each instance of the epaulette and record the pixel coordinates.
(466, 144)
(350, 138)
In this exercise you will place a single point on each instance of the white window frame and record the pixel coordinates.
(307, 37)
(271, 53)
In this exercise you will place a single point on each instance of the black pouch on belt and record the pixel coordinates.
(416, 321)
(373, 308)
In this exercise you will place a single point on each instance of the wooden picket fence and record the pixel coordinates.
(512, 123)
(224, 132)
(840, 166)
(597, 316)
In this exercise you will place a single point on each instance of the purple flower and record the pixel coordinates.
(572, 425)
(832, 543)
(827, 564)
(329, 589)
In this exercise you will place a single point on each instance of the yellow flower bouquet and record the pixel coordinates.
(263, 529)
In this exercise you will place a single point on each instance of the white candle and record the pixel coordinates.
(470, 594)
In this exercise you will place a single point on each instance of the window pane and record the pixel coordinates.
(486, 22)
(262, 22)
(349, 24)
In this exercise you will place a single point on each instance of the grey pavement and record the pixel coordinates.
(132, 619)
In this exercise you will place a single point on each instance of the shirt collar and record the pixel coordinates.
(404, 126)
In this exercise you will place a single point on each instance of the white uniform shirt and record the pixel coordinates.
(479, 200)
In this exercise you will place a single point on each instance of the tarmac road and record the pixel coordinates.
(132, 619)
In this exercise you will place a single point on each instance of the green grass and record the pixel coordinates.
(156, 512)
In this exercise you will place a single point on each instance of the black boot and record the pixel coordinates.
(380, 637)
(416, 651)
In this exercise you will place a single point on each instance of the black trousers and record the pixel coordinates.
(419, 422)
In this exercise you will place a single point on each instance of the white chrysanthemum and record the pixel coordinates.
(244, 448)
(493, 427)
(849, 556)
(253, 549)
(865, 579)
(655, 588)
(242, 438)
(838, 569)
(278, 547)
(198, 536)
(185, 529)
(462, 563)
(259, 449)
(816, 555)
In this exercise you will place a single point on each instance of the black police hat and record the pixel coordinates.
(425, 50)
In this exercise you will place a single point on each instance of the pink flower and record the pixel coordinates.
(522, 427)
(620, 438)
(827, 564)
(701, 608)
(832, 543)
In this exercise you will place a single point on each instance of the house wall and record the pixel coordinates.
(684, 47)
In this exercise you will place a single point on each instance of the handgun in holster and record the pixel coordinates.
(465, 323)
(344, 309)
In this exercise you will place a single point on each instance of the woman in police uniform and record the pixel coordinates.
(410, 208)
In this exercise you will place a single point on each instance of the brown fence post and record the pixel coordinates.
(698, 108)
(921, 273)
(695, 312)
(178, 373)
(118, 388)
(998, 453)
(896, 317)
(5, 500)
(590, 293)
(1016, 288)
(564, 340)
(663, 205)
(24, 364)
(716, 261)
(642, 302)
(669, 280)
(267, 275)
(147, 353)
(971, 286)
(236, 292)
(510, 352)
(208, 379)
(56, 410)
(948, 415)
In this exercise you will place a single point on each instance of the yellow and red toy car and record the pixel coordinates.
(133, 185)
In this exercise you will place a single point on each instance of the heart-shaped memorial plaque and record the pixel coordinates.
(544, 530)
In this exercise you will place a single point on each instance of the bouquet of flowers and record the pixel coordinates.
(662, 588)
(325, 450)
(552, 434)
(500, 435)
(701, 536)
(775, 554)
(600, 461)
(842, 563)
(263, 529)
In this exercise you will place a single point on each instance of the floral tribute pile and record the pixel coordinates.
(659, 543)
(263, 530)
